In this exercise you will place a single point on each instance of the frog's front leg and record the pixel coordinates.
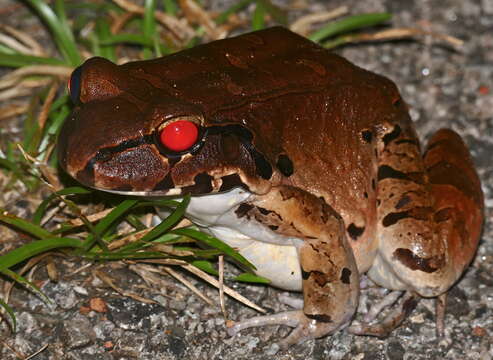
(330, 279)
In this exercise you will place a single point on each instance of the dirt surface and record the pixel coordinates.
(443, 87)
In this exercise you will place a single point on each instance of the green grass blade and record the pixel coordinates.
(170, 7)
(258, 17)
(61, 32)
(9, 311)
(40, 211)
(107, 221)
(34, 248)
(24, 225)
(149, 26)
(22, 280)
(349, 24)
(251, 278)
(274, 11)
(18, 60)
(215, 243)
(167, 223)
(126, 38)
(206, 266)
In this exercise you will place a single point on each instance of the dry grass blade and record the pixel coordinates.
(30, 264)
(92, 218)
(109, 281)
(14, 44)
(52, 270)
(195, 14)
(206, 277)
(12, 110)
(221, 286)
(45, 109)
(119, 21)
(37, 352)
(188, 284)
(400, 33)
(180, 29)
(28, 42)
(170, 250)
(146, 272)
(136, 236)
(15, 76)
(303, 25)
(24, 89)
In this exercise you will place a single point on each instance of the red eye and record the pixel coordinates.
(179, 135)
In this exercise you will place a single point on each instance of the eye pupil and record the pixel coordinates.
(179, 135)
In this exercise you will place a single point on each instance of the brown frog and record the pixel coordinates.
(307, 164)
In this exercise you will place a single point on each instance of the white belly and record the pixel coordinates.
(274, 256)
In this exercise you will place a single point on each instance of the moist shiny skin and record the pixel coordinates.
(306, 162)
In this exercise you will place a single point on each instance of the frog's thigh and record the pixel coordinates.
(330, 276)
(430, 212)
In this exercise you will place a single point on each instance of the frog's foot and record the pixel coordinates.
(392, 320)
(304, 327)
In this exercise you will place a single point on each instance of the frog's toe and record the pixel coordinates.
(305, 328)
(396, 316)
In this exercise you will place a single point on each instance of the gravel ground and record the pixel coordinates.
(444, 88)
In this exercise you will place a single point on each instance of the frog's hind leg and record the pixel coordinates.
(430, 212)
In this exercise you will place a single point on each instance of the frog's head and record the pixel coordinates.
(132, 133)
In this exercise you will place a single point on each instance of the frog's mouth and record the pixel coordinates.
(223, 159)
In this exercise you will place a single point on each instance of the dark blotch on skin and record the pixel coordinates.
(367, 136)
(243, 209)
(354, 231)
(443, 215)
(415, 262)
(392, 135)
(418, 213)
(273, 227)
(203, 185)
(285, 165)
(165, 184)
(320, 317)
(262, 165)
(403, 202)
(263, 211)
(231, 181)
(346, 276)
(385, 172)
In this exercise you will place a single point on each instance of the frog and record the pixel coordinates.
(306, 164)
